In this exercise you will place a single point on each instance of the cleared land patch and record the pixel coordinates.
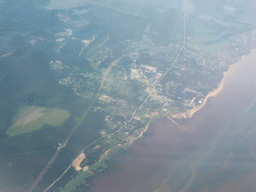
(33, 118)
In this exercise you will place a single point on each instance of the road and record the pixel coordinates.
(149, 96)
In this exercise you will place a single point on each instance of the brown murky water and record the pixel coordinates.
(215, 150)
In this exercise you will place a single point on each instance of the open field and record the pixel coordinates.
(33, 118)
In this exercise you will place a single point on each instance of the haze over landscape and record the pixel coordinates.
(146, 95)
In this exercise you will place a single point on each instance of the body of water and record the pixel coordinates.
(215, 150)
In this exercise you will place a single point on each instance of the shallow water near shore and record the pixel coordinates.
(212, 151)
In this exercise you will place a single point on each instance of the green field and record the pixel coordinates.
(33, 118)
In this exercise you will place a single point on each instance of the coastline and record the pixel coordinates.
(129, 143)
(142, 132)
(189, 113)
(232, 69)
(173, 143)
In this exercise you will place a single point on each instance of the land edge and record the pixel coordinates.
(189, 113)
(231, 70)
(128, 143)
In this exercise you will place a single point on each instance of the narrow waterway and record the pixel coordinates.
(215, 150)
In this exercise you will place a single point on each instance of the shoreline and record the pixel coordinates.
(232, 69)
(189, 113)
(144, 130)
(231, 83)
(140, 135)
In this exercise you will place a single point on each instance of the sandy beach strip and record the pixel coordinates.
(236, 67)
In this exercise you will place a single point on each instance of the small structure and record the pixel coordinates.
(86, 168)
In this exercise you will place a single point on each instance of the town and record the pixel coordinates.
(146, 79)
